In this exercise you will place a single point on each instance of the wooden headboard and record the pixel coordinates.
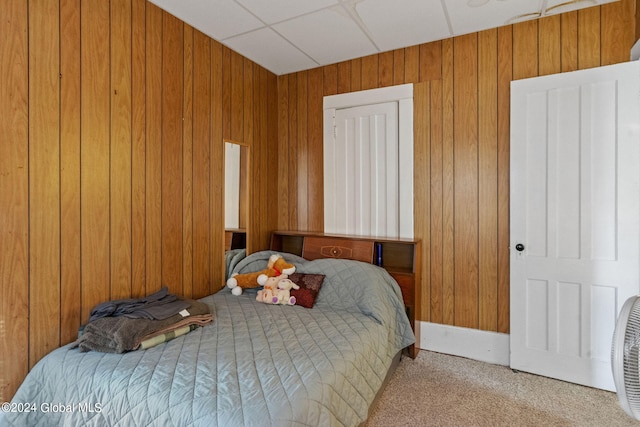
(400, 257)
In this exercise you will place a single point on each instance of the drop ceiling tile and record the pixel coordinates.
(330, 31)
(273, 11)
(402, 23)
(268, 49)
(467, 19)
(327, 36)
(562, 6)
(218, 19)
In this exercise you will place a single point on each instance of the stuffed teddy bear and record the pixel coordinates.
(275, 267)
(277, 290)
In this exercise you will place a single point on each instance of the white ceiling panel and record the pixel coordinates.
(286, 36)
(268, 49)
(561, 6)
(468, 16)
(218, 19)
(403, 23)
(273, 11)
(467, 19)
(327, 36)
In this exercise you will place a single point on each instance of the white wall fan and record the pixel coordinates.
(625, 357)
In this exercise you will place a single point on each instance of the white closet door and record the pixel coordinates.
(575, 215)
(361, 172)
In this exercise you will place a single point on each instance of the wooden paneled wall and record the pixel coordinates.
(111, 163)
(111, 141)
(461, 130)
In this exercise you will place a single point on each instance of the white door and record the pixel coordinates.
(575, 214)
(361, 172)
(368, 162)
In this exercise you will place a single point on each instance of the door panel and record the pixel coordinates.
(575, 204)
(362, 172)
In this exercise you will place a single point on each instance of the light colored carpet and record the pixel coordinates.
(442, 390)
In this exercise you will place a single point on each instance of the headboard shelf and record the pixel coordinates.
(235, 239)
(400, 257)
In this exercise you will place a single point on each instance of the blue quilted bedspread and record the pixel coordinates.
(255, 365)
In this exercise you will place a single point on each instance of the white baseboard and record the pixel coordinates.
(490, 347)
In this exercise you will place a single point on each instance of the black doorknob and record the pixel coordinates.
(519, 247)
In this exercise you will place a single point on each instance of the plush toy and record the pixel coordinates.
(277, 290)
(270, 286)
(275, 267)
(283, 292)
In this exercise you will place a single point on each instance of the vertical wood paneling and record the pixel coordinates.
(330, 79)
(248, 138)
(385, 69)
(315, 149)
(356, 74)
(226, 93)
(120, 134)
(94, 170)
(172, 99)
(525, 50)
(262, 161)
(14, 197)
(187, 162)
(412, 64)
(201, 164)
(398, 67)
(617, 30)
(70, 172)
(283, 148)
(465, 176)
(549, 41)
(569, 41)
(217, 172)
(164, 72)
(44, 179)
(589, 36)
(466, 262)
(153, 157)
(247, 103)
(637, 22)
(302, 150)
(432, 299)
(138, 149)
(505, 67)
(258, 116)
(344, 77)
(448, 254)
(421, 160)
(487, 180)
(271, 158)
(259, 129)
(292, 151)
(112, 163)
(431, 61)
(237, 96)
(369, 72)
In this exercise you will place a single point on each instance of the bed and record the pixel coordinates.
(256, 364)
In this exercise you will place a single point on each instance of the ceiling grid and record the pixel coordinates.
(286, 36)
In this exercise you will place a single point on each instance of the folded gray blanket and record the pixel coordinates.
(159, 306)
(121, 334)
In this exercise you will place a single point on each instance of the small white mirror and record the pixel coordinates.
(236, 194)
